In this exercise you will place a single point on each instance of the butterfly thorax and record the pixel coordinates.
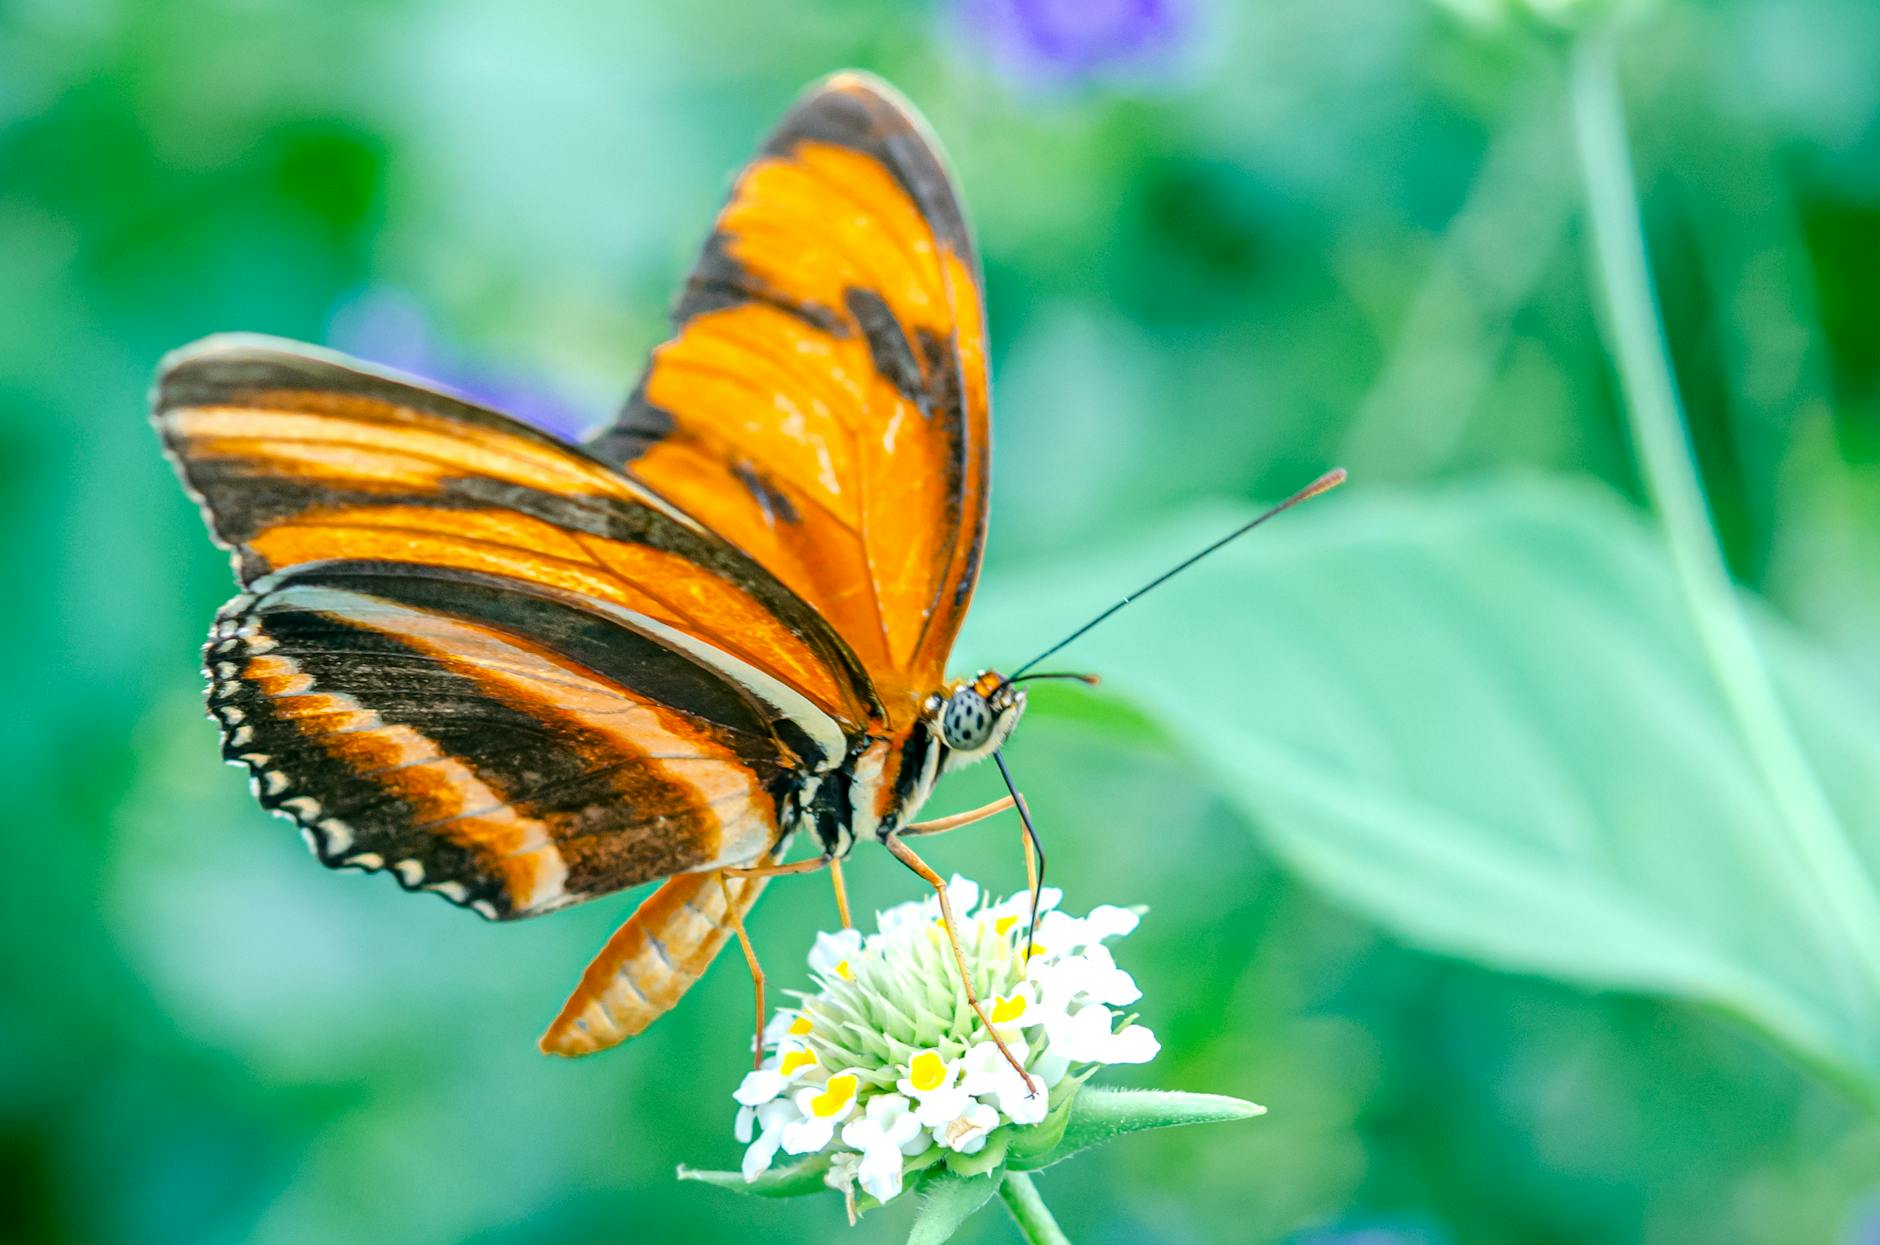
(886, 779)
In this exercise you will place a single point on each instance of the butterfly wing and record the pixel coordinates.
(823, 403)
(479, 658)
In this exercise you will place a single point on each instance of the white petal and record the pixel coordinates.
(985, 1066)
(759, 1087)
(880, 1124)
(942, 1106)
(743, 1130)
(1085, 1036)
(758, 1157)
(832, 949)
(775, 1114)
(1019, 905)
(967, 1133)
(1050, 1067)
(1134, 1044)
(1104, 982)
(779, 1027)
(806, 1136)
(1060, 934)
(963, 894)
(1023, 1106)
(1110, 921)
(860, 1133)
(880, 1173)
(886, 1108)
(914, 911)
(907, 1134)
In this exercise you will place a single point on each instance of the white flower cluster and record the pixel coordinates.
(887, 1068)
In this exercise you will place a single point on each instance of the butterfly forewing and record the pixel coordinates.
(298, 456)
(823, 402)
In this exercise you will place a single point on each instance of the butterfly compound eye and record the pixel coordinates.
(966, 722)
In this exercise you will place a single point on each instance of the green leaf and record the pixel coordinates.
(1482, 718)
(796, 1180)
(990, 1156)
(947, 1201)
(1100, 1115)
(1029, 1145)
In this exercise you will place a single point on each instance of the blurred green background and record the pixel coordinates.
(1453, 855)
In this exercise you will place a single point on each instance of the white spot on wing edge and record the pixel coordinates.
(339, 835)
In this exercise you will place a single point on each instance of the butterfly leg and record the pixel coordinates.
(842, 893)
(809, 865)
(750, 958)
(940, 825)
(907, 856)
(1034, 851)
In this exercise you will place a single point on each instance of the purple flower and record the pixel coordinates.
(386, 325)
(1066, 40)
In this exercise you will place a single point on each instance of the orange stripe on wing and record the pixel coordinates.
(697, 803)
(344, 434)
(662, 585)
(442, 791)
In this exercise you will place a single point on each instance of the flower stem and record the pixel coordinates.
(1029, 1211)
(1662, 445)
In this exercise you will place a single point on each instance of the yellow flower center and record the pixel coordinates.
(799, 1027)
(844, 971)
(1009, 1008)
(835, 1096)
(927, 1071)
(794, 1060)
(1004, 925)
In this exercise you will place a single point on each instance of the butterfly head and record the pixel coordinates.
(975, 715)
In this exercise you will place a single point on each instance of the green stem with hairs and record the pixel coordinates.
(1662, 445)
(1033, 1217)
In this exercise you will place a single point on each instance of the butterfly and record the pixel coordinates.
(522, 673)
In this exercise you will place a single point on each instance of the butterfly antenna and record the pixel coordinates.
(1031, 836)
(1090, 679)
(1330, 480)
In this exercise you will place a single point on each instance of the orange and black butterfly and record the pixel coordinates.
(522, 673)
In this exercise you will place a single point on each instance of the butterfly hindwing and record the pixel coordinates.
(512, 751)
(823, 403)
(479, 659)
